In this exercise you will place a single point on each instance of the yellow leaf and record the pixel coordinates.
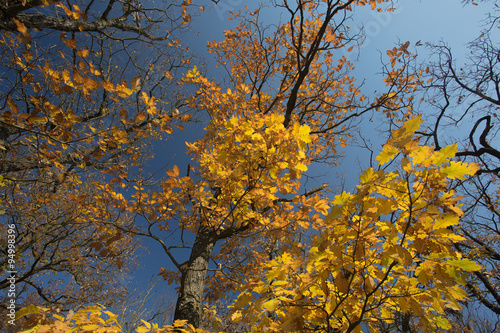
(66, 76)
(141, 329)
(366, 176)
(459, 169)
(30, 309)
(413, 124)
(421, 154)
(446, 220)
(304, 133)
(400, 254)
(193, 72)
(271, 305)
(442, 322)
(108, 86)
(243, 299)
(237, 316)
(91, 327)
(388, 152)
(12, 105)
(341, 199)
(148, 325)
(406, 132)
(465, 264)
(445, 154)
(91, 84)
(122, 90)
(301, 167)
(322, 207)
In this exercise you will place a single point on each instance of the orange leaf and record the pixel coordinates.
(20, 27)
(71, 43)
(141, 116)
(174, 172)
(83, 53)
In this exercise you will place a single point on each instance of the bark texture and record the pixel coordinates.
(194, 273)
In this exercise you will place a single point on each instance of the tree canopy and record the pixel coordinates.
(78, 106)
(408, 249)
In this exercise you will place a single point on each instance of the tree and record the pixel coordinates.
(144, 306)
(297, 261)
(286, 103)
(385, 249)
(62, 254)
(466, 99)
(459, 104)
(89, 87)
(285, 91)
(75, 113)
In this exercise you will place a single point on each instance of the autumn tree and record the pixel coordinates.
(463, 99)
(254, 230)
(459, 102)
(78, 103)
(288, 101)
(385, 249)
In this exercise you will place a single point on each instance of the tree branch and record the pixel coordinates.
(48, 22)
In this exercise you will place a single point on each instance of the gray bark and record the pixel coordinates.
(48, 22)
(15, 9)
(194, 273)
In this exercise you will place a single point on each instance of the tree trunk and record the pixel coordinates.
(193, 275)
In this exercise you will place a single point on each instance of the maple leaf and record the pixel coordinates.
(387, 154)
(465, 264)
(271, 305)
(445, 154)
(458, 170)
